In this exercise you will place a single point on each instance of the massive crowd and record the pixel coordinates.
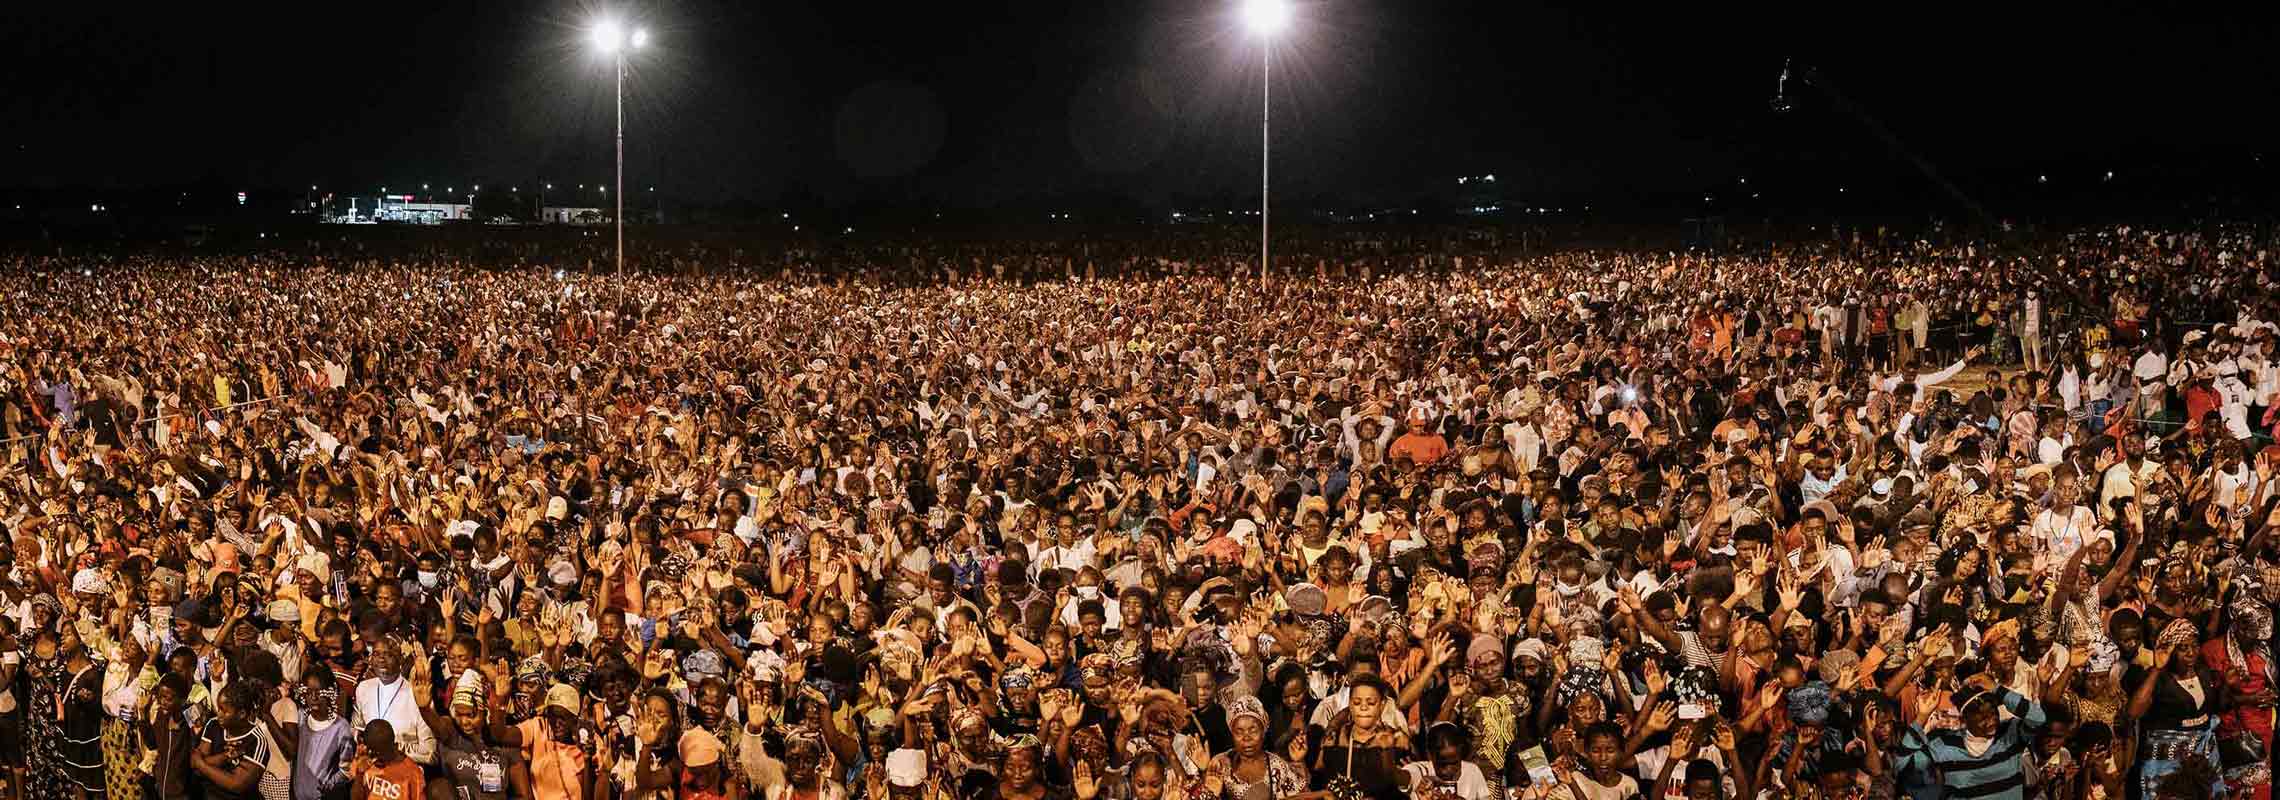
(1833, 520)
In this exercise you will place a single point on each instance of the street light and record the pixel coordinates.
(614, 40)
(1266, 19)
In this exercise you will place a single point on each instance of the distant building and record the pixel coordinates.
(401, 208)
(565, 215)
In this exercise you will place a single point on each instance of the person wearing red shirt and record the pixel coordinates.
(1421, 445)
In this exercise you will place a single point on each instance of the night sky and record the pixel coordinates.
(984, 104)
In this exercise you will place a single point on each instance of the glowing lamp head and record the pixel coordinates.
(1266, 17)
(608, 36)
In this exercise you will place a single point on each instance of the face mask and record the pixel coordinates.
(1566, 590)
(428, 579)
(1089, 592)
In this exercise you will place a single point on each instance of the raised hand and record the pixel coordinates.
(1769, 694)
(1874, 555)
(1083, 783)
(1661, 717)
(1049, 706)
(1682, 744)
(1443, 649)
(1656, 680)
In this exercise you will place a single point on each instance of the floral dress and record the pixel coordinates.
(44, 777)
(1281, 779)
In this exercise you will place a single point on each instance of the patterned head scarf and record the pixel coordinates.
(2104, 656)
(1128, 652)
(2252, 619)
(1204, 648)
(1580, 616)
(1694, 684)
(1246, 706)
(1017, 676)
(968, 718)
(704, 663)
(1586, 651)
(1581, 680)
(575, 671)
(672, 567)
(2179, 632)
(2007, 630)
(1532, 648)
(1096, 665)
(1809, 704)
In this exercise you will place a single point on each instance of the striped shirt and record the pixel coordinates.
(1999, 772)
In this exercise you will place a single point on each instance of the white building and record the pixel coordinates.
(401, 208)
(568, 215)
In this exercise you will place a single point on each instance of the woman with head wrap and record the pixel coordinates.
(1251, 770)
(1478, 698)
(2176, 704)
(1020, 772)
(2241, 658)
(1582, 694)
(808, 772)
(1809, 728)
(1016, 700)
(2179, 586)
(2089, 685)
(2000, 646)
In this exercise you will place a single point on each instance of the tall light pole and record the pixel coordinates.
(1266, 19)
(615, 40)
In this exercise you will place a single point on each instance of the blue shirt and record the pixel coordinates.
(1998, 773)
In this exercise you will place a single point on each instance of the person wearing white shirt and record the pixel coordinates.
(2262, 375)
(2151, 368)
(2063, 528)
(284, 641)
(1111, 611)
(1526, 441)
(387, 695)
(1446, 774)
(2051, 450)
(2123, 478)
(2097, 391)
(2234, 399)
(1927, 380)
(2070, 387)
(1074, 552)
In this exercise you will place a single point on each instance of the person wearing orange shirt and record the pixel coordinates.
(1421, 445)
(382, 772)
